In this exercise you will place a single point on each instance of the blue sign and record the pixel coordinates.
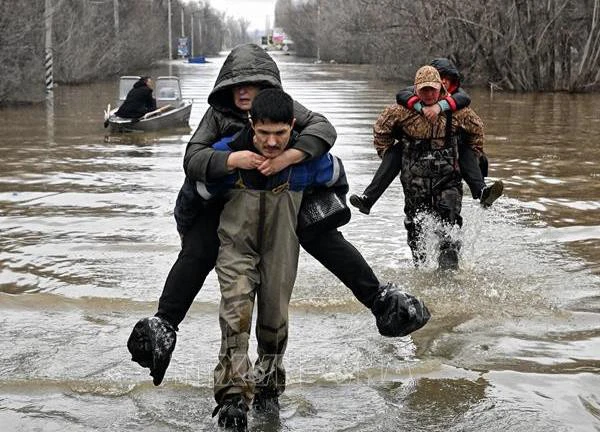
(182, 47)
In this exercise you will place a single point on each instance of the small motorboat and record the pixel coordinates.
(171, 110)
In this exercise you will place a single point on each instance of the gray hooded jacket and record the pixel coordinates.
(246, 64)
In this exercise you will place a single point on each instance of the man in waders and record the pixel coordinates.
(247, 70)
(473, 166)
(258, 256)
(430, 173)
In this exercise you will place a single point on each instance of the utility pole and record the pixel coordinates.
(200, 35)
(267, 26)
(192, 35)
(318, 31)
(170, 37)
(116, 15)
(182, 26)
(49, 77)
(48, 49)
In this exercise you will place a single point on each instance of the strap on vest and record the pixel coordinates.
(448, 133)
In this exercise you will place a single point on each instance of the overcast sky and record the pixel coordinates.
(254, 11)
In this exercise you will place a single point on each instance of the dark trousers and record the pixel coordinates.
(391, 163)
(470, 170)
(198, 256)
(444, 203)
(388, 170)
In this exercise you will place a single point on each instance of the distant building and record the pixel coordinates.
(277, 40)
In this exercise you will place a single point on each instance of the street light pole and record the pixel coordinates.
(170, 36)
(192, 34)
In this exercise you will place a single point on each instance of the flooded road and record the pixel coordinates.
(87, 239)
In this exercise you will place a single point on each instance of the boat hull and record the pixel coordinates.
(178, 117)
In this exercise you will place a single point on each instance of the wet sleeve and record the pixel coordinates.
(458, 100)
(325, 171)
(383, 129)
(316, 135)
(201, 162)
(407, 98)
(472, 127)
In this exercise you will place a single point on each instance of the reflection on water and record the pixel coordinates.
(88, 239)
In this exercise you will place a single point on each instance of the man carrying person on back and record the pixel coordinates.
(430, 173)
(247, 70)
(473, 166)
(258, 256)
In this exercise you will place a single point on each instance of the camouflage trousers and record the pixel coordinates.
(258, 259)
(432, 184)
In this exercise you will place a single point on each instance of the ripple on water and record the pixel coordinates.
(88, 239)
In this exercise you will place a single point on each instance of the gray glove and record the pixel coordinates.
(151, 343)
(398, 313)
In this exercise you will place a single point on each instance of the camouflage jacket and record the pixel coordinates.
(396, 123)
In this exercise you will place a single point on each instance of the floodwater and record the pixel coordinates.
(87, 239)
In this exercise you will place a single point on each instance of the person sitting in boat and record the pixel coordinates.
(139, 100)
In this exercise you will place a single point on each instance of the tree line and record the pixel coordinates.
(521, 45)
(96, 39)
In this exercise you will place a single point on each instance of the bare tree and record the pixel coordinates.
(516, 44)
(519, 45)
(349, 31)
(86, 45)
(236, 31)
(299, 19)
(21, 52)
(523, 44)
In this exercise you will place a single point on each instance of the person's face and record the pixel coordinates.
(270, 138)
(428, 95)
(150, 83)
(243, 96)
(447, 82)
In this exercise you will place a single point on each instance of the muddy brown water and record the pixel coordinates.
(87, 238)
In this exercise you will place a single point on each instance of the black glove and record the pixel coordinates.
(151, 343)
(398, 313)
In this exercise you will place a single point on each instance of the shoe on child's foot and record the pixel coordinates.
(489, 194)
(232, 413)
(361, 203)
